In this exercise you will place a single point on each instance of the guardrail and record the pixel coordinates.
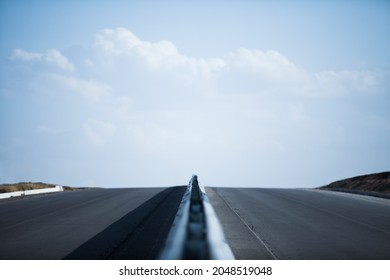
(31, 192)
(196, 232)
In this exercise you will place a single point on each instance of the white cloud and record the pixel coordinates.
(52, 57)
(270, 64)
(57, 58)
(240, 71)
(19, 54)
(336, 84)
(162, 55)
(91, 90)
(152, 106)
(117, 41)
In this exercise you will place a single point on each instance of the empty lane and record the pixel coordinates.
(134, 224)
(307, 224)
(60, 225)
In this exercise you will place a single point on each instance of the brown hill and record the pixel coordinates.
(23, 186)
(373, 184)
(26, 186)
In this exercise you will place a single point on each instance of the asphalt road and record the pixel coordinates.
(88, 224)
(134, 224)
(302, 224)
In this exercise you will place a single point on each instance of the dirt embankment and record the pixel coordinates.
(26, 186)
(377, 184)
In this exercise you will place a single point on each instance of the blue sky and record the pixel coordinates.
(147, 93)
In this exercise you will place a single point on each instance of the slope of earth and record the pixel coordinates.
(377, 184)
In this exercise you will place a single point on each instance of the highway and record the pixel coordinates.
(134, 223)
(302, 224)
(88, 224)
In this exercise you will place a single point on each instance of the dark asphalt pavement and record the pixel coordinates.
(303, 224)
(86, 224)
(134, 224)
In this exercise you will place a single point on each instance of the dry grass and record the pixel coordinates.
(378, 182)
(24, 186)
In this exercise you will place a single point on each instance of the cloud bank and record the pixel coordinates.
(124, 111)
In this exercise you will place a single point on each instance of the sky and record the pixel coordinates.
(273, 94)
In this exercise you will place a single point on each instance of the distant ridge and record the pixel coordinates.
(26, 186)
(376, 184)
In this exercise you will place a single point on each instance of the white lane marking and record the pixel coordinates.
(220, 248)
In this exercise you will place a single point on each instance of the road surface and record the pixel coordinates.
(88, 224)
(302, 224)
(134, 224)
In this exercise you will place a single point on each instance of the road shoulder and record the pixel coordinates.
(244, 244)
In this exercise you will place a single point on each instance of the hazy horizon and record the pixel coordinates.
(147, 93)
